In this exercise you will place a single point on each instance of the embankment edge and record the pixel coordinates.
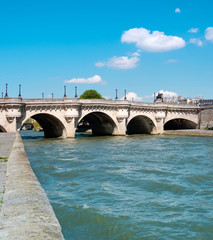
(26, 212)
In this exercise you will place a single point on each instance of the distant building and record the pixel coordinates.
(189, 100)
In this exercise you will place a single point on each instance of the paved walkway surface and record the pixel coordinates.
(6, 143)
(190, 132)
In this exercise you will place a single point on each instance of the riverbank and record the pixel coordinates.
(26, 212)
(190, 132)
(6, 143)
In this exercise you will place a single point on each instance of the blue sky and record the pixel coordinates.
(140, 46)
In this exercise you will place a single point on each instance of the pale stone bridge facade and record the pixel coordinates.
(60, 117)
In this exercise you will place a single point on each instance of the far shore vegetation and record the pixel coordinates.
(91, 94)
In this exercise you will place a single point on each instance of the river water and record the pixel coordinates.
(126, 188)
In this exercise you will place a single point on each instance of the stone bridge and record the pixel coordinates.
(61, 117)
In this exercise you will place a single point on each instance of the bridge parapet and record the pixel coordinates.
(71, 101)
(10, 100)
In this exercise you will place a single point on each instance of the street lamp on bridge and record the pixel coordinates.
(6, 95)
(19, 94)
(76, 92)
(65, 90)
(125, 94)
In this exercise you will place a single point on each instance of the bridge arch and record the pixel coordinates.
(140, 124)
(180, 123)
(52, 126)
(100, 123)
(2, 129)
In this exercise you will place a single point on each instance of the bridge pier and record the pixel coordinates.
(122, 116)
(121, 127)
(11, 113)
(11, 125)
(159, 129)
(160, 119)
(71, 127)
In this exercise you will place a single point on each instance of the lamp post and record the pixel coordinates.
(52, 95)
(76, 92)
(125, 94)
(42, 95)
(116, 94)
(65, 90)
(6, 95)
(19, 94)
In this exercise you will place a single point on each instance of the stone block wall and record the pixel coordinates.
(206, 117)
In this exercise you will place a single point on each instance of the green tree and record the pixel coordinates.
(91, 94)
(36, 126)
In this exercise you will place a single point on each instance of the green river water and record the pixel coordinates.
(126, 188)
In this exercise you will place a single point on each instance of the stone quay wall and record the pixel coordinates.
(26, 212)
(206, 117)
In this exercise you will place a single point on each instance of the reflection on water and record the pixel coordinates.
(133, 187)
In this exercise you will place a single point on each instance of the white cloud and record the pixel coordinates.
(107, 97)
(167, 94)
(193, 30)
(136, 54)
(92, 80)
(177, 10)
(123, 62)
(172, 61)
(209, 34)
(152, 42)
(131, 96)
(148, 97)
(196, 41)
(99, 64)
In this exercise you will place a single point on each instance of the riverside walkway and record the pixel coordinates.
(6, 143)
(190, 132)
